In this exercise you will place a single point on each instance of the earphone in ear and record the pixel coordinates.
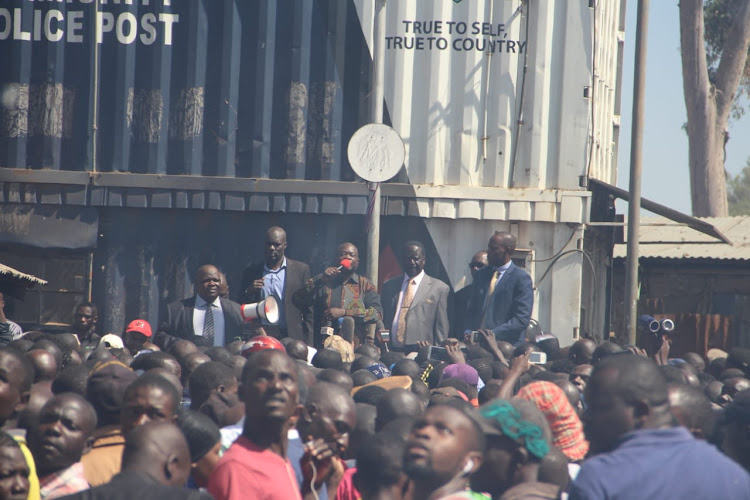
(468, 466)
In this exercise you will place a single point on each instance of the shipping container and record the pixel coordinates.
(236, 114)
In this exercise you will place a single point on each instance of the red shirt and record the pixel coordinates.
(248, 471)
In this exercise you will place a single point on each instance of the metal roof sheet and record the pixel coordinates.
(661, 238)
(27, 279)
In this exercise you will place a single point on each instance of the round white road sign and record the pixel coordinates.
(376, 152)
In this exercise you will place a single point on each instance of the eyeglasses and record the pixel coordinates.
(477, 265)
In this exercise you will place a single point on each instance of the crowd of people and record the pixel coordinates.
(355, 394)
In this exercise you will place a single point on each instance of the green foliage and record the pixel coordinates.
(717, 18)
(738, 192)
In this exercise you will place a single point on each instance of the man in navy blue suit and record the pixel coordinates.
(503, 295)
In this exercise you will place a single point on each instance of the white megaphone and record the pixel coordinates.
(266, 309)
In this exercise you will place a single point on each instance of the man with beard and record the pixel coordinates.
(256, 465)
(443, 450)
(281, 277)
(65, 432)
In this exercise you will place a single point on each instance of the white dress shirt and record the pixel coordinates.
(199, 316)
(394, 325)
(501, 270)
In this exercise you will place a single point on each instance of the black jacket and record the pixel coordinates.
(140, 486)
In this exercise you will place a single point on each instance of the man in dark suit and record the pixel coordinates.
(206, 318)
(462, 298)
(415, 305)
(282, 277)
(503, 294)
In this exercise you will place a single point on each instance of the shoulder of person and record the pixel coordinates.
(438, 283)
(186, 302)
(228, 303)
(291, 263)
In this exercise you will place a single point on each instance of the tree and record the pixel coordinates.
(709, 97)
(738, 192)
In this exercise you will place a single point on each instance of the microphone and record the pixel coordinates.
(344, 264)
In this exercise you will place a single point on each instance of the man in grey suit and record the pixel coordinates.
(415, 305)
(206, 318)
(503, 295)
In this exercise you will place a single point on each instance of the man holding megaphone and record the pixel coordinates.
(340, 292)
(280, 277)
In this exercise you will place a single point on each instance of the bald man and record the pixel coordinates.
(632, 431)
(397, 403)
(45, 366)
(503, 295)
(206, 319)
(280, 276)
(155, 465)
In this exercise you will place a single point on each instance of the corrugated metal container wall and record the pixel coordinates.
(274, 89)
(200, 87)
(491, 93)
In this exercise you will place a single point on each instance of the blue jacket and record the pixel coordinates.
(511, 303)
(661, 464)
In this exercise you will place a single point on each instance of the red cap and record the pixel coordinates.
(260, 343)
(140, 326)
(346, 263)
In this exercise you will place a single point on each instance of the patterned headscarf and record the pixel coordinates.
(567, 430)
(504, 417)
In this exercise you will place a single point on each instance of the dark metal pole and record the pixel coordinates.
(636, 147)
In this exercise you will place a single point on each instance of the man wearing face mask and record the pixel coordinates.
(415, 305)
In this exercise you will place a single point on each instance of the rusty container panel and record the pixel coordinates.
(238, 88)
(484, 92)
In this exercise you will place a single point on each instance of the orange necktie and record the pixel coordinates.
(405, 305)
(493, 282)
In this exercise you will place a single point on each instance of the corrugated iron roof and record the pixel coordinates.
(660, 238)
(31, 280)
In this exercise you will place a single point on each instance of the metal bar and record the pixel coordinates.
(636, 147)
(670, 213)
(373, 235)
(232, 184)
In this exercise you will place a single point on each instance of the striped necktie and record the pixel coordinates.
(208, 325)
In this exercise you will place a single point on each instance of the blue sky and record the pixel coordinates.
(665, 145)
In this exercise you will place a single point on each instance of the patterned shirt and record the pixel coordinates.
(63, 482)
(356, 295)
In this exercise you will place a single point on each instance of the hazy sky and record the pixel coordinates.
(665, 146)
